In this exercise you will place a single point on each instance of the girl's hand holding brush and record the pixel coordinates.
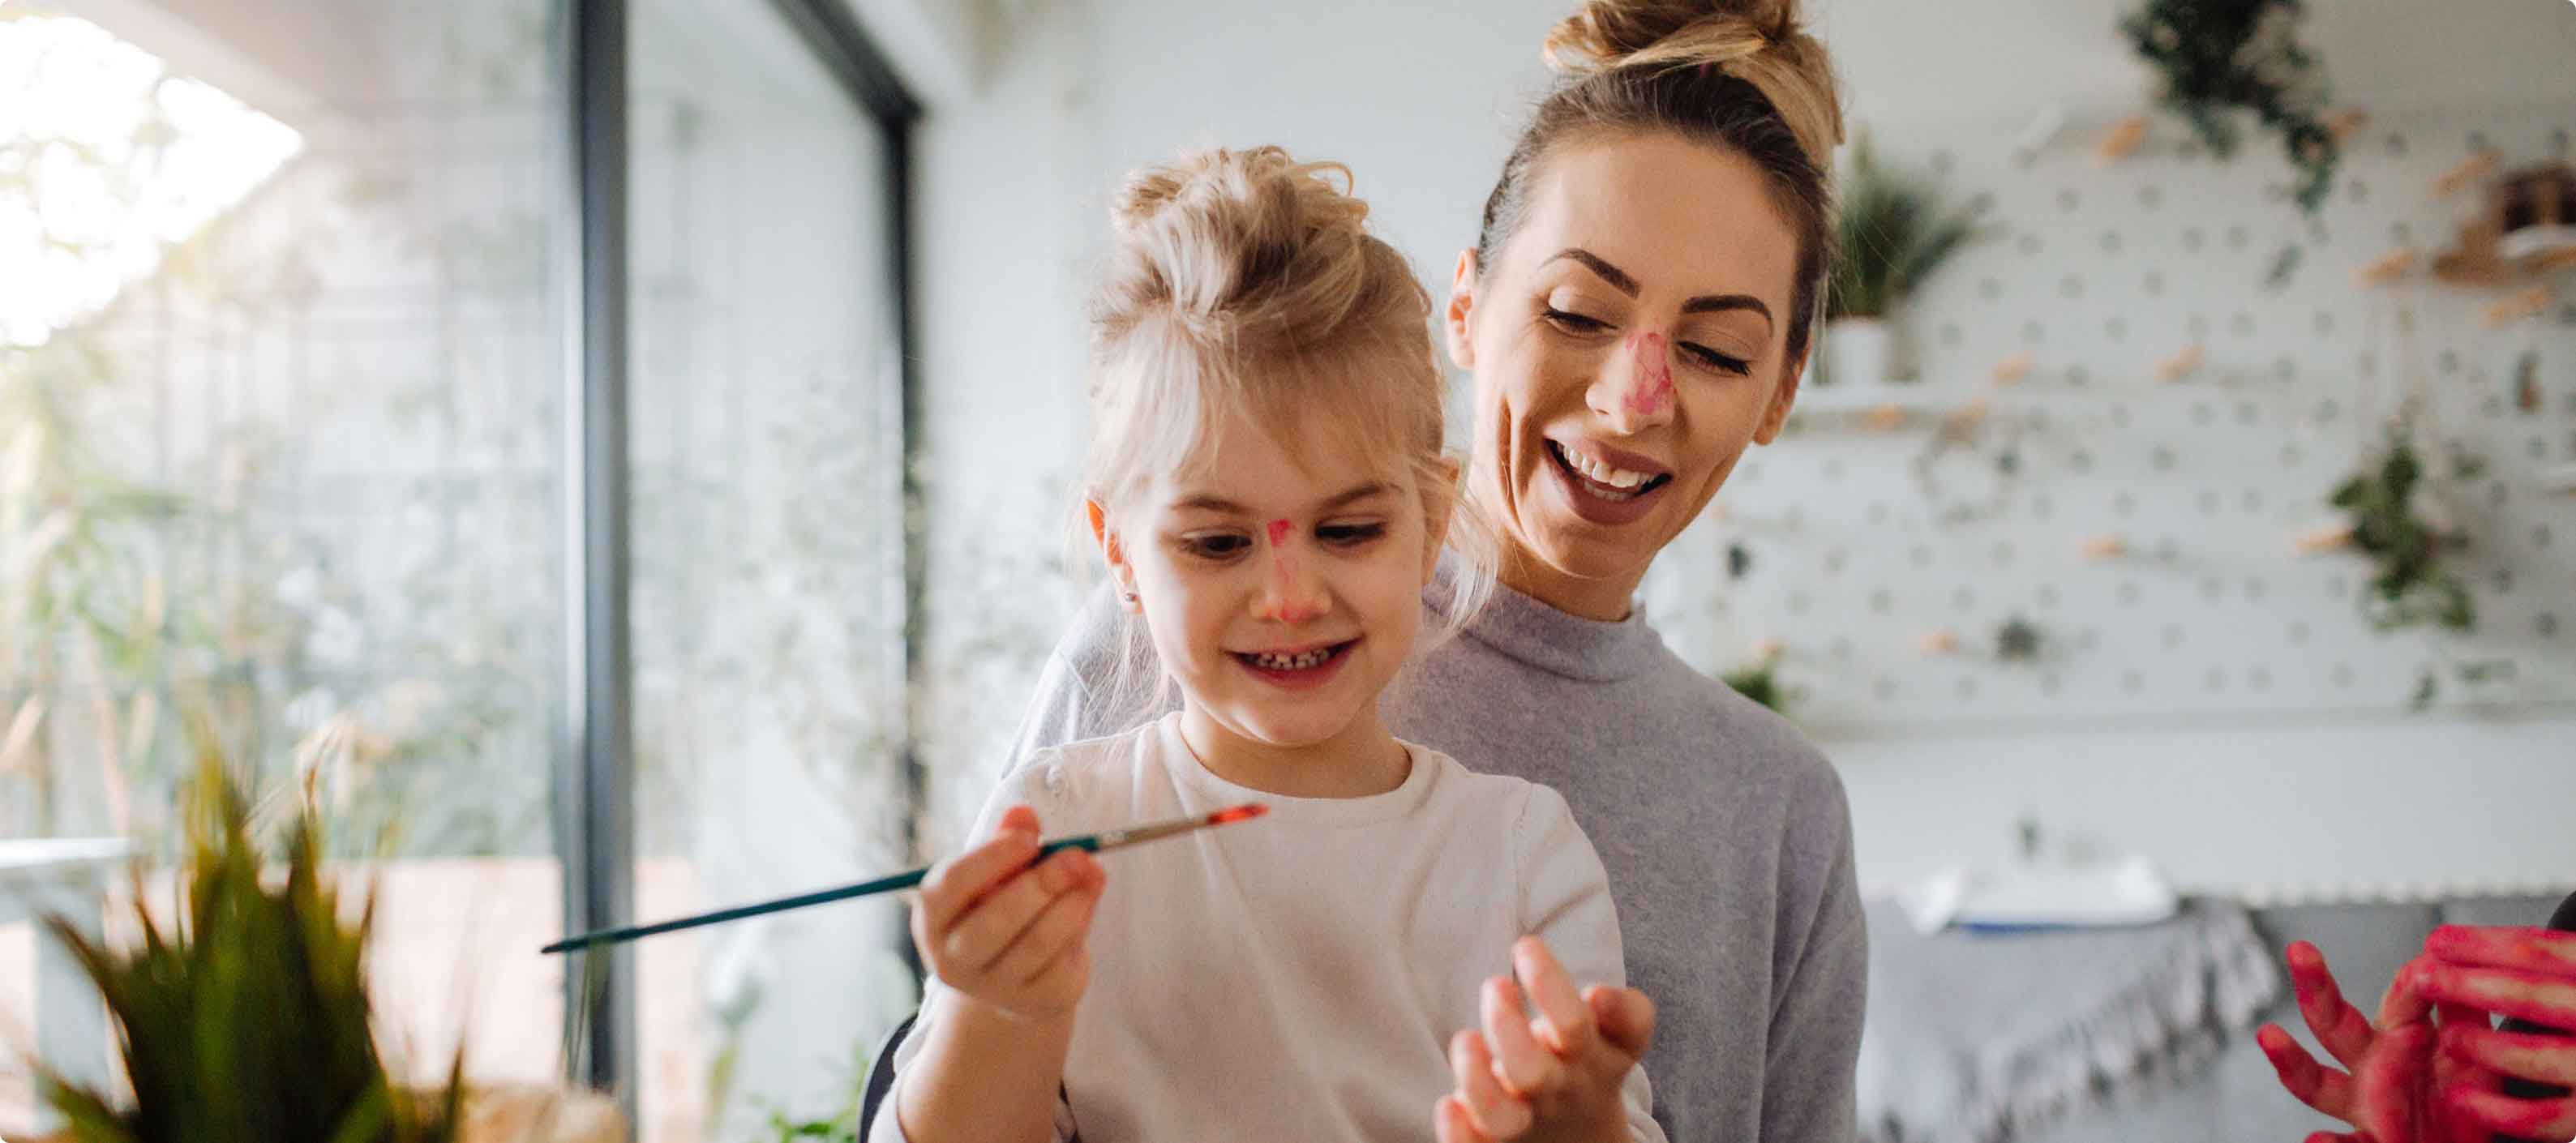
(1006, 938)
(1008, 935)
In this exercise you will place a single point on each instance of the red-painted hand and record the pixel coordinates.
(2418, 1079)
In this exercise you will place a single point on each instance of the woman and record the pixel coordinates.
(1636, 312)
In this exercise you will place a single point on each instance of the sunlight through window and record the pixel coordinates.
(106, 161)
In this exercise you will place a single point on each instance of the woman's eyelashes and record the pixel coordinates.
(1712, 359)
(1568, 321)
(1584, 326)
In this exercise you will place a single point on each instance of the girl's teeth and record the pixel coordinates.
(1310, 659)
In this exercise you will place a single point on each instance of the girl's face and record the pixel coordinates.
(1283, 591)
(1628, 343)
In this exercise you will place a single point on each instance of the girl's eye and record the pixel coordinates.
(1571, 322)
(1217, 546)
(1712, 359)
(1349, 535)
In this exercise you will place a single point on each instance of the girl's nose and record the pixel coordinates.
(1293, 593)
(1635, 389)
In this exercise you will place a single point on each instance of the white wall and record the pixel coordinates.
(1420, 100)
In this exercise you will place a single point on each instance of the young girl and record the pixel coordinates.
(1266, 485)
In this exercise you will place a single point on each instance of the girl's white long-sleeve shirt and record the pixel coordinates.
(1298, 977)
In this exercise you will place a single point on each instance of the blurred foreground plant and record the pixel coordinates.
(249, 1020)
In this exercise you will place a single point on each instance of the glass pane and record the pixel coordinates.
(767, 598)
(279, 367)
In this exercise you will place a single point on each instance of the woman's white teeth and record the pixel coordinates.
(1314, 658)
(1625, 482)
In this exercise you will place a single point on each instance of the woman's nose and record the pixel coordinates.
(1635, 389)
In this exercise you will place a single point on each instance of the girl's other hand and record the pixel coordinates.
(1007, 934)
(1556, 1076)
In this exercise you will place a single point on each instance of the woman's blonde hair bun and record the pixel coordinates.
(1763, 42)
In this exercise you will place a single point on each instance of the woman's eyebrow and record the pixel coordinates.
(1619, 279)
(1718, 303)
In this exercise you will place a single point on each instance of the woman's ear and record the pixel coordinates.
(1122, 575)
(1462, 302)
(1777, 415)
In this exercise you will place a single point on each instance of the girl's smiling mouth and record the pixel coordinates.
(1297, 668)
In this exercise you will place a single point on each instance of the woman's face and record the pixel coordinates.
(1628, 343)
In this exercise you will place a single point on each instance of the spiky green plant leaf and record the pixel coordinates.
(249, 1022)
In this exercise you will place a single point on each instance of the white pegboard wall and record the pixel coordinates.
(1866, 545)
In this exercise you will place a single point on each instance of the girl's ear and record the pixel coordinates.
(1122, 576)
(1462, 305)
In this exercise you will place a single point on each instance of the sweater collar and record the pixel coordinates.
(1526, 629)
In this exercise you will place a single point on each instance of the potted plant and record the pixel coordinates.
(248, 1019)
(1892, 232)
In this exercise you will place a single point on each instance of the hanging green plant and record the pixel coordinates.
(2220, 57)
(2413, 586)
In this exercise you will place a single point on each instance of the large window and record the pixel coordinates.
(284, 448)
(765, 443)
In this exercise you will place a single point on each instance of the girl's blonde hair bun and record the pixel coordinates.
(1244, 247)
(1763, 42)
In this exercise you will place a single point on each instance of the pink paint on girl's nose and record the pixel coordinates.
(1650, 390)
(1283, 577)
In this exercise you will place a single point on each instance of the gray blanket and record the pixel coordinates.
(1974, 1038)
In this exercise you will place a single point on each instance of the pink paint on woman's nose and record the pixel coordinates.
(1650, 385)
(1279, 532)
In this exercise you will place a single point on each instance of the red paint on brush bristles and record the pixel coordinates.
(1238, 813)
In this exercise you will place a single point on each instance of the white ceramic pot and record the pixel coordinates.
(1857, 352)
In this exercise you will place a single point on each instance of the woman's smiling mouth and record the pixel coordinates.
(1604, 492)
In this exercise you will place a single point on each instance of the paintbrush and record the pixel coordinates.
(1096, 843)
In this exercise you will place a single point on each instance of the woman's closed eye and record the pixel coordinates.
(1568, 321)
(1707, 358)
